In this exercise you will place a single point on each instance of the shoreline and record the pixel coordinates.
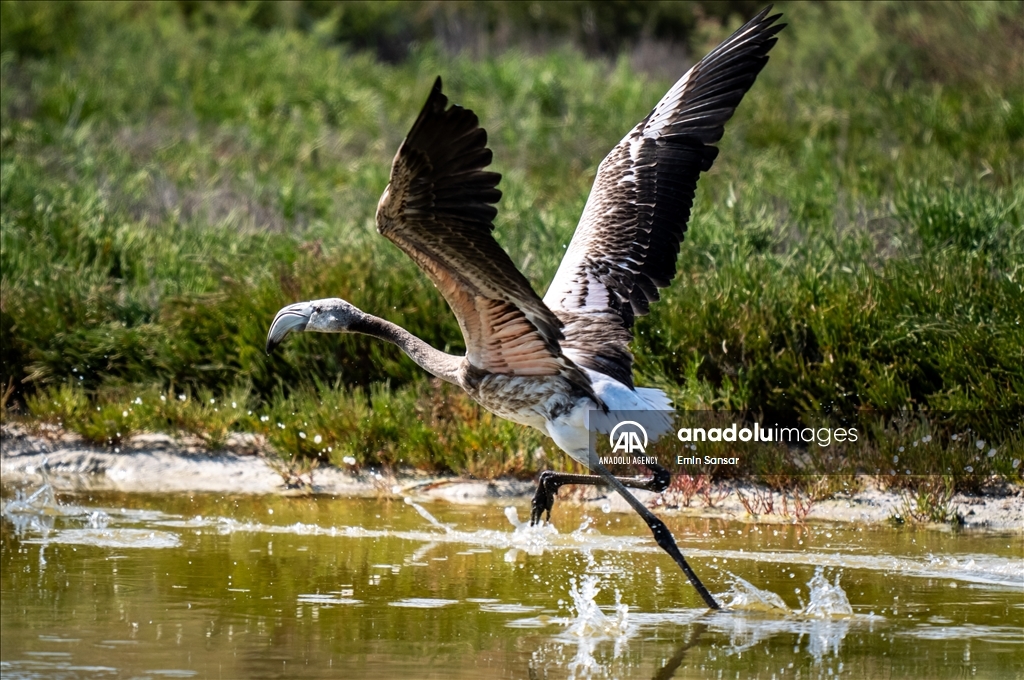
(157, 463)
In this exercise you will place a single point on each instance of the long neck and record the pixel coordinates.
(441, 364)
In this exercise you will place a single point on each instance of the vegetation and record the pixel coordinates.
(174, 174)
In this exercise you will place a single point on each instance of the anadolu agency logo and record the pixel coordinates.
(628, 436)
(627, 439)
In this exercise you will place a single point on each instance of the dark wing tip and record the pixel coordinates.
(436, 103)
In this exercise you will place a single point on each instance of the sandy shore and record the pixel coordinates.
(156, 463)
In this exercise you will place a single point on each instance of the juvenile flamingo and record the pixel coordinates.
(560, 363)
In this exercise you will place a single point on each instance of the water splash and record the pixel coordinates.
(98, 519)
(827, 600)
(590, 621)
(40, 513)
(531, 539)
(36, 511)
(41, 501)
(427, 516)
(592, 626)
(512, 515)
(745, 596)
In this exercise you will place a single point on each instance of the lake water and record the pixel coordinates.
(135, 586)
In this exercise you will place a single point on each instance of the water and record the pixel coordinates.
(110, 585)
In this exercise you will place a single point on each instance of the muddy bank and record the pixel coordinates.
(159, 464)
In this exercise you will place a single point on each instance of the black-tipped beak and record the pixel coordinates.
(291, 318)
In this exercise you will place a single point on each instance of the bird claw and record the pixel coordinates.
(542, 502)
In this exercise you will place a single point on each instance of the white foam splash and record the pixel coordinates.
(827, 600)
(531, 539)
(590, 621)
(745, 596)
(592, 626)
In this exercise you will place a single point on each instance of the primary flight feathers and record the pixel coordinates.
(438, 208)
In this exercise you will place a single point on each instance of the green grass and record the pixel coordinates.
(168, 184)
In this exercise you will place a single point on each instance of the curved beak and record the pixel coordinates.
(291, 318)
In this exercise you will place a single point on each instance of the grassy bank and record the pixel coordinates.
(167, 184)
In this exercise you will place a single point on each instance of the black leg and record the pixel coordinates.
(658, 482)
(550, 482)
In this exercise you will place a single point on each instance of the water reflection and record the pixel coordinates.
(223, 586)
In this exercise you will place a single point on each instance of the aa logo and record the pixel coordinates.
(628, 437)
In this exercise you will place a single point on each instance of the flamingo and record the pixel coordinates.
(562, 363)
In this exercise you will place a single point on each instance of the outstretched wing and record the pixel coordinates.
(625, 246)
(438, 208)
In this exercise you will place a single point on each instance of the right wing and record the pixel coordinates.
(625, 246)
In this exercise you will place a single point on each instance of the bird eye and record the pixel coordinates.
(317, 309)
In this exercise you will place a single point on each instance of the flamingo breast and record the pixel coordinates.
(527, 400)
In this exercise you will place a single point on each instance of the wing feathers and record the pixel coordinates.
(626, 244)
(439, 209)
